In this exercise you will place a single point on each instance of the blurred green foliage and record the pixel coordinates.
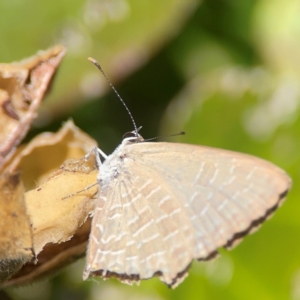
(226, 72)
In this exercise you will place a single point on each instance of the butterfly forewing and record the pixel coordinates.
(166, 204)
(239, 187)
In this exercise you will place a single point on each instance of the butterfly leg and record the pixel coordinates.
(97, 152)
(78, 192)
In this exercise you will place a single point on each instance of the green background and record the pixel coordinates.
(226, 72)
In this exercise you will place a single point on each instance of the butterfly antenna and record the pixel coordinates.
(122, 101)
(165, 136)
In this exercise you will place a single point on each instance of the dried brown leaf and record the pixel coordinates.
(15, 233)
(47, 151)
(22, 87)
(60, 227)
(58, 219)
(53, 258)
(58, 235)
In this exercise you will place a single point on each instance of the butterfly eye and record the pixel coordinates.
(129, 135)
(134, 134)
(133, 137)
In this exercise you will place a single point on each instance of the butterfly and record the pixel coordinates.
(162, 205)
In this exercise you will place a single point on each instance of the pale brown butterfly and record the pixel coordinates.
(162, 205)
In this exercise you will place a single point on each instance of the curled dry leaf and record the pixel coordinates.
(22, 87)
(60, 227)
(58, 235)
(15, 234)
(47, 151)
